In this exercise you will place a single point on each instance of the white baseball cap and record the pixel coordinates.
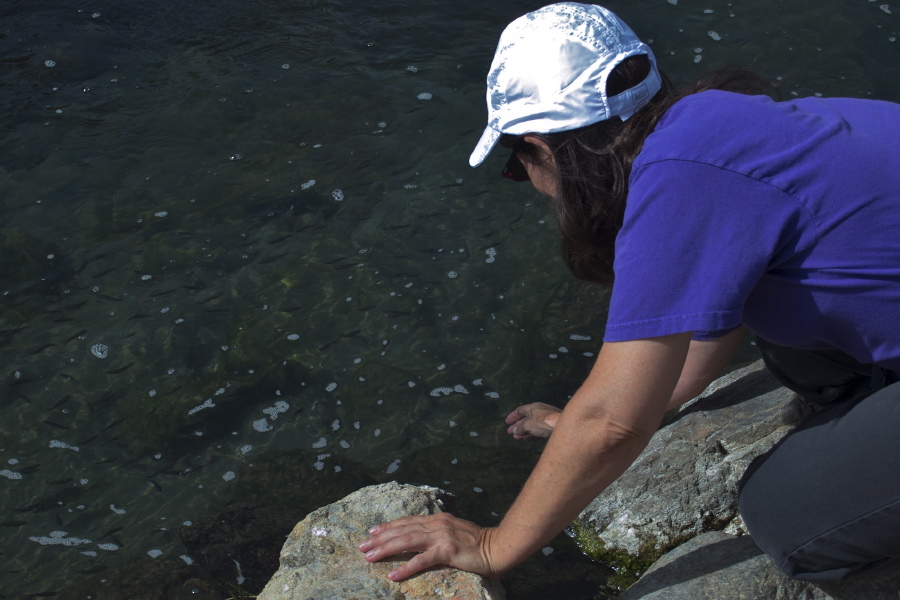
(550, 70)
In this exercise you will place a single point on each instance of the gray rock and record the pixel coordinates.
(320, 560)
(685, 481)
(718, 566)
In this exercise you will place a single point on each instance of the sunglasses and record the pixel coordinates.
(514, 168)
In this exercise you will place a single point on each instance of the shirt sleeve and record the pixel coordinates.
(695, 241)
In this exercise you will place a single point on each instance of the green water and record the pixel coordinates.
(263, 213)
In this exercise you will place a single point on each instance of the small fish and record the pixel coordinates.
(334, 260)
(280, 239)
(13, 331)
(113, 424)
(62, 401)
(271, 259)
(60, 481)
(102, 273)
(163, 293)
(327, 346)
(213, 297)
(291, 309)
(64, 320)
(365, 308)
(77, 335)
(54, 424)
(20, 382)
(77, 305)
(112, 298)
(40, 349)
(397, 313)
(111, 440)
(112, 531)
(342, 267)
(88, 441)
(28, 508)
(156, 485)
(353, 333)
(13, 523)
(122, 370)
(396, 227)
(140, 316)
(58, 519)
(108, 460)
(40, 595)
(93, 570)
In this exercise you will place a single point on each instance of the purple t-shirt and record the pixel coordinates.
(783, 216)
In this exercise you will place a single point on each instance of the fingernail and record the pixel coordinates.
(393, 575)
(364, 545)
(373, 530)
(371, 554)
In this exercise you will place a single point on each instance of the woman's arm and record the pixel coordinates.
(602, 430)
(706, 359)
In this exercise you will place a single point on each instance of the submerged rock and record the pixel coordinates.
(321, 560)
(685, 482)
(716, 565)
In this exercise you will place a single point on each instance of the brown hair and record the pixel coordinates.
(594, 164)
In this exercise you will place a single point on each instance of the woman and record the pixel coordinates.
(712, 213)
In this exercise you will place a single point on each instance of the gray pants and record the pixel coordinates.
(824, 503)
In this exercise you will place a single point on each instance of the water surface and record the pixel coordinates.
(245, 263)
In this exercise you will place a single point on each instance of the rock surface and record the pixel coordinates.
(715, 565)
(320, 560)
(685, 482)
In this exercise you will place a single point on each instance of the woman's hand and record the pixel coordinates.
(440, 539)
(532, 421)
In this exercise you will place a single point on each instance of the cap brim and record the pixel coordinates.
(488, 140)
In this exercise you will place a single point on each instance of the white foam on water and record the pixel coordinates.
(477, 490)
(321, 443)
(492, 255)
(154, 553)
(10, 474)
(392, 468)
(547, 550)
(331, 387)
(100, 350)
(262, 425)
(452, 275)
(245, 449)
(208, 404)
(493, 395)
(336, 424)
(308, 184)
(59, 444)
(228, 476)
(580, 338)
(187, 559)
(118, 511)
(460, 389)
(338, 195)
(293, 337)
(425, 96)
(273, 411)
(715, 36)
(58, 538)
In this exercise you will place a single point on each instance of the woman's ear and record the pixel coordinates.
(544, 153)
